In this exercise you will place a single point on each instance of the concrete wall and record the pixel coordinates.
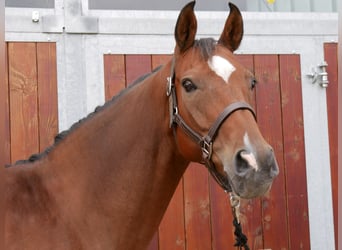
(244, 5)
(84, 35)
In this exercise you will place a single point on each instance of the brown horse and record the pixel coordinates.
(106, 183)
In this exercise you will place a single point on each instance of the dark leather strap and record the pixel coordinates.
(224, 115)
(223, 181)
(191, 133)
(206, 141)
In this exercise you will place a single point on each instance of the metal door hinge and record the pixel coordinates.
(320, 75)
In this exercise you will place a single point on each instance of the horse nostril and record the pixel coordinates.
(244, 161)
(250, 159)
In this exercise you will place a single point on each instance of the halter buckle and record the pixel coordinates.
(207, 149)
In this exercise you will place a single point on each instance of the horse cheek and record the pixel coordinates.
(187, 148)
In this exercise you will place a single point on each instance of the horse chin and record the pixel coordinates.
(248, 187)
(247, 190)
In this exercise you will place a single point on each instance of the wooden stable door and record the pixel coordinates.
(199, 216)
(31, 115)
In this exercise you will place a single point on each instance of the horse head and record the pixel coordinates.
(208, 80)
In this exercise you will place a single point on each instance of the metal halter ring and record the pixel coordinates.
(169, 86)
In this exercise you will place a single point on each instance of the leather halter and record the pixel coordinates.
(205, 142)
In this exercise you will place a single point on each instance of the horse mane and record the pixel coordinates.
(60, 136)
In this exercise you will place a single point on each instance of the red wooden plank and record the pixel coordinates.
(274, 209)
(158, 60)
(248, 62)
(4, 153)
(221, 217)
(23, 99)
(294, 151)
(197, 208)
(114, 74)
(171, 229)
(4, 115)
(330, 51)
(136, 66)
(251, 209)
(47, 93)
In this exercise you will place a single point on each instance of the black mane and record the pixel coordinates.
(63, 134)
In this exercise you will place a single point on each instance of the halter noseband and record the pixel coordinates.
(205, 142)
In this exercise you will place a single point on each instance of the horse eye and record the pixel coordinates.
(188, 85)
(253, 83)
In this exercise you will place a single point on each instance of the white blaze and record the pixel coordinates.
(222, 67)
(249, 156)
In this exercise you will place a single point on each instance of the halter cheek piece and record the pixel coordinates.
(205, 142)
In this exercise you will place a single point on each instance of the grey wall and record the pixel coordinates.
(30, 3)
(208, 5)
(217, 5)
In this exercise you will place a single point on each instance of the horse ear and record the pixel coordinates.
(233, 29)
(186, 27)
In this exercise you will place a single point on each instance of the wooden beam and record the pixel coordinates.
(330, 55)
(4, 121)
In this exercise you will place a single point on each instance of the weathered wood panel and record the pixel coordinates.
(221, 217)
(136, 66)
(114, 74)
(158, 60)
(330, 51)
(251, 209)
(23, 96)
(172, 229)
(47, 94)
(5, 140)
(32, 93)
(4, 118)
(273, 205)
(294, 151)
(197, 207)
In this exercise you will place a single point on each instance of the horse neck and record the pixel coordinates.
(126, 158)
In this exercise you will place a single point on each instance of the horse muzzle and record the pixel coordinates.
(254, 173)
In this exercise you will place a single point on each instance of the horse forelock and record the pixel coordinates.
(206, 47)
